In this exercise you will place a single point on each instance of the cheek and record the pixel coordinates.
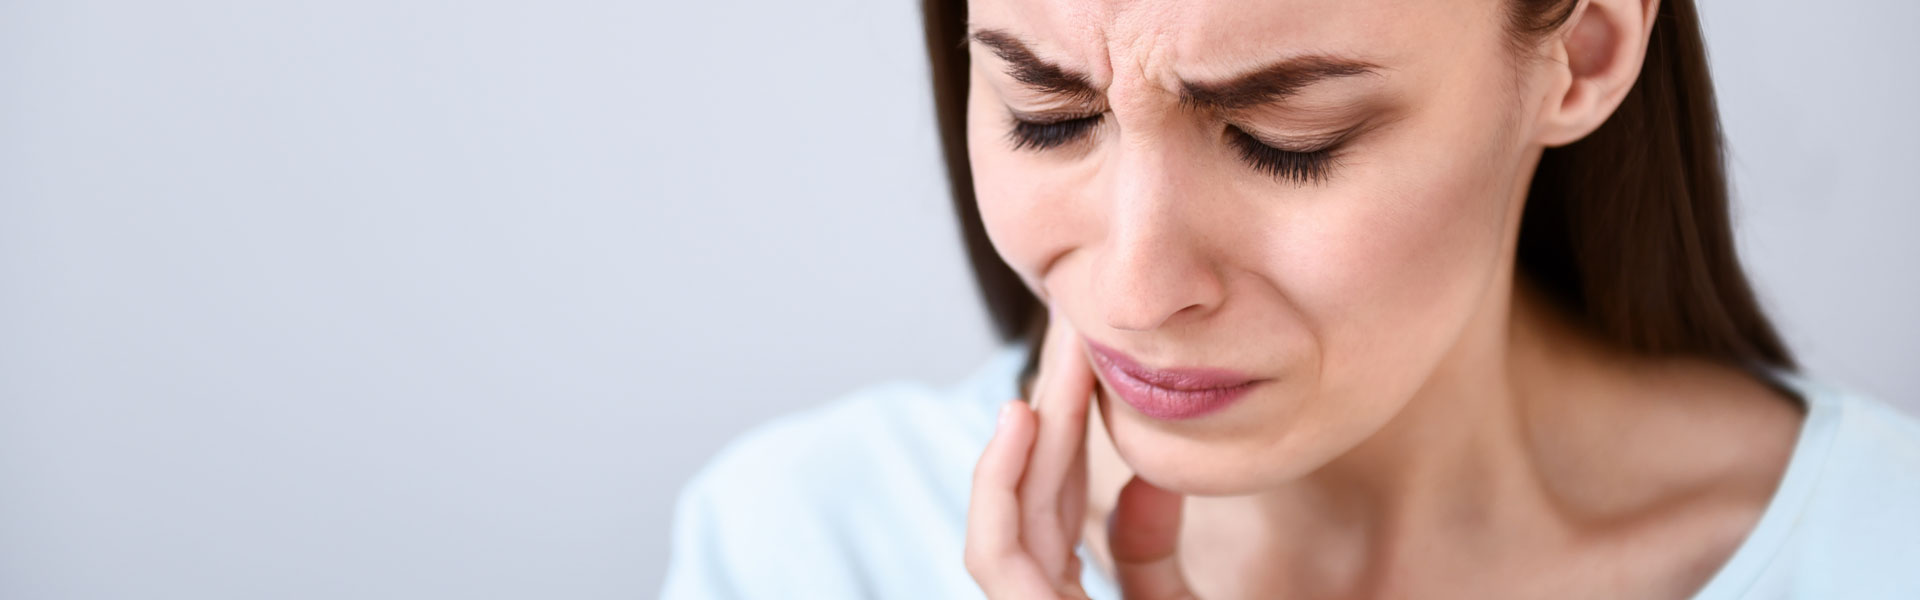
(1392, 271)
(1008, 199)
(1383, 278)
(1391, 275)
(1030, 203)
(1398, 287)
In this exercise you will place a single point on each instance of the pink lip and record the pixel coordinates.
(1169, 393)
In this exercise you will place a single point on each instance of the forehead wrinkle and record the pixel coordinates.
(1090, 15)
(1126, 48)
(1143, 38)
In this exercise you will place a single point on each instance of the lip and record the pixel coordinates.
(1169, 394)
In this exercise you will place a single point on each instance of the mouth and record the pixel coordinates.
(1169, 394)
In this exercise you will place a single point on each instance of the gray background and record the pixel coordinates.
(432, 299)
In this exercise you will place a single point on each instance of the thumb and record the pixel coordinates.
(1142, 533)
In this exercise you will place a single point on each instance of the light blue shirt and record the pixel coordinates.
(866, 497)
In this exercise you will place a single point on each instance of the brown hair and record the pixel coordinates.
(1627, 229)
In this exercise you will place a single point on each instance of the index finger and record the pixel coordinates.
(1061, 398)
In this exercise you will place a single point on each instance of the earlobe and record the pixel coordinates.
(1603, 45)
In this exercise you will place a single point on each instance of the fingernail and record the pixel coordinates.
(1006, 414)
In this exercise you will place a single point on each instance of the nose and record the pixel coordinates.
(1155, 269)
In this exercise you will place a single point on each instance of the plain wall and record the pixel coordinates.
(408, 299)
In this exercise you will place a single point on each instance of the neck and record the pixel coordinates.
(1461, 463)
(1464, 434)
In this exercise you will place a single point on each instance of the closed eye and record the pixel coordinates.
(1047, 134)
(1308, 166)
(1299, 166)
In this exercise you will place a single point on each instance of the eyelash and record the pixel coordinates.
(1047, 135)
(1303, 166)
(1299, 166)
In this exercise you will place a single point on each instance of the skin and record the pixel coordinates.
(1428, 425)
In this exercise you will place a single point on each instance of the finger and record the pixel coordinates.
(993, 508)
(1061, 405)
(1066, 381)
(994, 556)
(1073, 503)
(1073, 495)
(1072, 510)
(1073, 588)
(1142, 534)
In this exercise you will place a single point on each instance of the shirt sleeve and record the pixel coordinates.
(863, 497)
(751, 525)
(696, 566)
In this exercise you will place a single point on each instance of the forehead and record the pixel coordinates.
(1205, 39)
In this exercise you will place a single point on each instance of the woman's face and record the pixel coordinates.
(1330, 229)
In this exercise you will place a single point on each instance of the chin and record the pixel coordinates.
(1187, 481)
(1193, 466)
(1232, 453)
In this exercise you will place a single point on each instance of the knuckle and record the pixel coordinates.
(980, 562)
(987, 468)
(1041, 510)
(987, 484)
(981, 471)
(1078, 410)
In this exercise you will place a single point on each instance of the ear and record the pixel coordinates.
(1596, 59)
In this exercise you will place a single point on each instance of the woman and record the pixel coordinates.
(1324, 300)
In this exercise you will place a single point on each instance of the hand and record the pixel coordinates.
(1030, 490)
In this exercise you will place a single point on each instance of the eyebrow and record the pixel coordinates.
(1272, 83)
(1035, 73)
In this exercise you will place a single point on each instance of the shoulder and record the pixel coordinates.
(857, 442)
(1870, 476)
(1846, 520)
(847, 498)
